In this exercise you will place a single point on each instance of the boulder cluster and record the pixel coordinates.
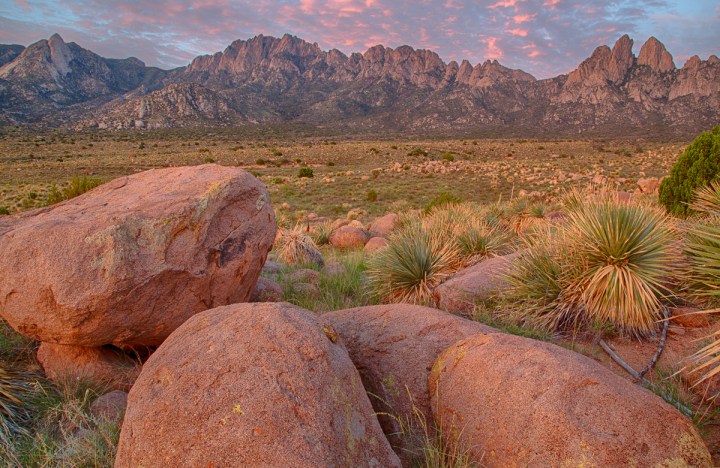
(166, 260)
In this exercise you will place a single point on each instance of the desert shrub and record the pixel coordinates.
(295, 247)
(703, 246)
(208, 160)
(442, 199)
(608, 264)
(320, 234)
(698, 166)
(305, 172)
(480, 241)
(417, 152)
(448, 157)
(414, 262)
(260, 161)
(76, 186)
(372, 195)
(4, 211)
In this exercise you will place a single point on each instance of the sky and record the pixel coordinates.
(542, 37)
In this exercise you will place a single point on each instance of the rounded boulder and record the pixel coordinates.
(349, 237)
(131, 260)
(263, 384)
(394, 347)
(511, 401)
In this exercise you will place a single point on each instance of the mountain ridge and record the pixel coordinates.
(276, 80)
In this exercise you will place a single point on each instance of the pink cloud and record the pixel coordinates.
(504, 4)
(493, 51)
(517, 32)
(519, 19)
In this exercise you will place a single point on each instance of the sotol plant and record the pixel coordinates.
(295, 247)
(697, 167)
(607, 264)
(415, 261)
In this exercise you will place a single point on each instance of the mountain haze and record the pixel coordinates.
(274, 80)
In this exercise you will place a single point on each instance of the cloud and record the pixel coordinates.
(545, 37)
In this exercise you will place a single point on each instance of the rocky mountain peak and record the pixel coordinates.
(622, 59)
(60, 54)
(654, 55)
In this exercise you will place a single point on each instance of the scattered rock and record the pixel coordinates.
(481, 281)
(334, 269)
(266, 383)
(383, 226)
(375, 244)
(97, 364)
(266, 290)
(131, 260)
(304, 275)
(273, 268)
(394, 348)
(110, 406)
(349, 237)
(307, 289)
(513, 401)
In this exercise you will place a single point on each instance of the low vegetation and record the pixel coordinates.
(698, 166)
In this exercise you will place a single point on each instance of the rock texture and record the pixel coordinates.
(110, 406)
(64, 362)
(513, 401)
(274, 80)
(375, 244)
(383, 225)
(349, 237)
(266, 290)
(131, 260)
(268, 384)
(394, 348)
(470, 285)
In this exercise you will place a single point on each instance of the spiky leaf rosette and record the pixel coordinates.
(480, 241)
(627, 252)
(414, 262)
(15, 410)
(538, 282)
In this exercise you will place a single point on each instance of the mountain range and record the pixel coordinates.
(268, 80)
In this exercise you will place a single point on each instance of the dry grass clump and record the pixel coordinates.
(295, 247)
(607, 264)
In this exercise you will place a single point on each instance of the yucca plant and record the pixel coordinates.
(15, 409)
(608, 264)
(414, 262)
(703, 251)
(539, 284)
(295, 247)
(480, 241)
(627, 252)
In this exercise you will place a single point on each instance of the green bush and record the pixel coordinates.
(305, 172)
(372, 195)
(448, 157)
(697, 167)
(418, 152)
(208, 160)
(4, 211)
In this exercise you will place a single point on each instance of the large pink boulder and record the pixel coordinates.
(473, 284)
(512, 401)
(394, 348)
(131, 260)
(263, 385)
